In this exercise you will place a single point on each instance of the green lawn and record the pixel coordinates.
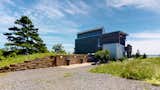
(21, 58)
(138, 69)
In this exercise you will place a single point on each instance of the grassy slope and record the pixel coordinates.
(138, 69)
(22, 58)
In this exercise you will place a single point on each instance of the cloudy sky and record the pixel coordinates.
(59, 20)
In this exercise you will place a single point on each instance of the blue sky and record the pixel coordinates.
(59, 20)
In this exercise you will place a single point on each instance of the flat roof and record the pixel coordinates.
(92, 30)
(117, 32)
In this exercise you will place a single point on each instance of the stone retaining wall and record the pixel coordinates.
(51, 61)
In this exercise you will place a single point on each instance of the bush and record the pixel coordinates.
(13, 54)
(113, 59)
(102, 55)
(122, 59)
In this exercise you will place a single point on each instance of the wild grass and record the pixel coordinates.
(138, 69)
(21, 58)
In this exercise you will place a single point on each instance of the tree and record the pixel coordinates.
(138, 54)
(144, 56)
(102, 55)
(24, 38)
(58, 48)
(1, 54)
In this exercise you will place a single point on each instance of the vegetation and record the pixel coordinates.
(24, 38)
(102, 55)
(24, 43)
(144, 56)
(137, 54)
(68, 74)
(1, 54)
(21, 58)
(59, 49)
(139, 69)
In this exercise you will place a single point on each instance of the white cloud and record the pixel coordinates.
(146, 35)
(2, 40)
(50, 8)
(57, 9)
(6, 19)
(5, 2)
(146, 46)
(69, 47)
(65, 36)
(51, 40)
(153, 5)
(74, 8)
(56, 30)
(146, 42)
(51, 20)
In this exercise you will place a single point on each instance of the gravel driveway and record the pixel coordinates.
(67, 79)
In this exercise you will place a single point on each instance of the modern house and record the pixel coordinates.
(96, 39)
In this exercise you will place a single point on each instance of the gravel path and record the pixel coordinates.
(60, 78)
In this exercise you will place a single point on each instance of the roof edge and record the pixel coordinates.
(91, 30)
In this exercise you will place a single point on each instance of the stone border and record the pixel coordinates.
(51, 61)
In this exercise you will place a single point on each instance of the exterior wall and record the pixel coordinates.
(111, 48)
(87, 45)
(94, 40)
(88, 41)
(120, 51)
(113, 37)
(116, 50)
(90, 33)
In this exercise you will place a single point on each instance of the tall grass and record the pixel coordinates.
(138, 69)
(21, 58)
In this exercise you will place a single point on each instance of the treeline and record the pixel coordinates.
(23, 39)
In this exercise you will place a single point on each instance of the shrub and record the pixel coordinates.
(102, 55)
(13, 54)
(123, 58)
(112, 59)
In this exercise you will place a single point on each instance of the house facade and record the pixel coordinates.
(96, 39)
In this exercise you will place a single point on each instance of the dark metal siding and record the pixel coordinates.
(86, 45)
(115, 37)
(87, 42)
(97, 32)
(110, 38)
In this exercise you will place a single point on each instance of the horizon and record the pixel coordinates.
(59, 22)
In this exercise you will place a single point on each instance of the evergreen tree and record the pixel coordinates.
(138, 54)
(144, 56)
(24, 38)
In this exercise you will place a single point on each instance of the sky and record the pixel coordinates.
(60, 20)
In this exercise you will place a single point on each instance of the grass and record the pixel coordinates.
(21, 58)
(138, 69)
(68, 74)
